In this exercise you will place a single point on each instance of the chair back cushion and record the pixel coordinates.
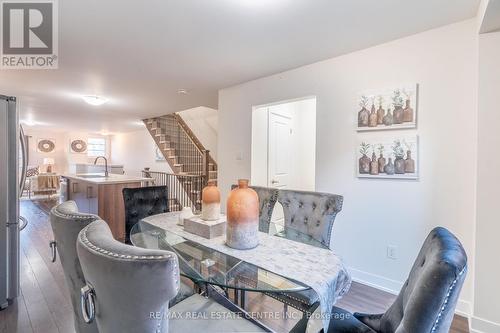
(311, 213)
(66, 224)
(142, 202)
(428, 299)
(267, 200)
(132, 285)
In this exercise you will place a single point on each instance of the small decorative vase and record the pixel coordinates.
(374, 165)
(242, 229)
(373, 118)
(389, 167)
(398, 115)
(210, 202)
(381, 163)
(408, 113)
(399, 165)
(388, 119)
(364, 164)
(186, 213)
(380, 115)
(409, 163)
(363, 116)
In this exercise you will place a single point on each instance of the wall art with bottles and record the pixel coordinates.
(386, 109)
(393, 157)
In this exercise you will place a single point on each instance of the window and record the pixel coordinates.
(96, 147)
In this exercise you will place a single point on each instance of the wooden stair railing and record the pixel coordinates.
(183, 151)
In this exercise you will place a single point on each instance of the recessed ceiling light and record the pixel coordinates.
(94, 100)
(182, 92)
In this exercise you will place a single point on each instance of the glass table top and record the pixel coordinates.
(202, 264)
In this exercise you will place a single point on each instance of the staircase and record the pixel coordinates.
(191, 163)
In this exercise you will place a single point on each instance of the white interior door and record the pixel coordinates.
(280, 148)
(280, 153)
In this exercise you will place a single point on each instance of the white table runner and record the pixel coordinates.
(320, 269)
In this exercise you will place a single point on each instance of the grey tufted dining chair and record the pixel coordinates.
(66, 223)
(427, 301)
(313, 214)
(267, 200)
(128, 290)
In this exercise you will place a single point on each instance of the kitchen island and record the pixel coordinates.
(102, 195)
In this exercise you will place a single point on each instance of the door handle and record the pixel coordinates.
(274, 181)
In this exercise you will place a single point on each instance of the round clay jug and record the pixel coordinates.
(389, 167)
(364, 164)
(242, 229)
(398, 114)
(363, 116)
(399, 165)
(388, 119)
(210, 202)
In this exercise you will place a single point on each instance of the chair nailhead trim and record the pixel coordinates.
(453, 284)
(89, 244)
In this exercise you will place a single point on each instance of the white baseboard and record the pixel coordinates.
(480, 325)
(464, 308)
(376, 281)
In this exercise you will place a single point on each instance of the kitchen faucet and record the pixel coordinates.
(106, 173)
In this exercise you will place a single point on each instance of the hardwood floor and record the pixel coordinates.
(44, 305)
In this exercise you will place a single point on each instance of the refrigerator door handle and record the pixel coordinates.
(25, 161)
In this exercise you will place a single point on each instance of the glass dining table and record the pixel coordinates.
(206, 266)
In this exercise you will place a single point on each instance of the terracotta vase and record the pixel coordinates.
(373, 118)
(363, 116)
(364, 164)
(388, 118)
(374, 165)
(408, 113)
(242, 230)
(210, 202)
(409, 163)
(389, 167)
(380, 115)
(381, 163)
(399, 165)
(398, 114)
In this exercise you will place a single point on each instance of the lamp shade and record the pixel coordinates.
(48, 161)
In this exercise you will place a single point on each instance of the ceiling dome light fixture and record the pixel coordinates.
(182, 91)
(94, 100)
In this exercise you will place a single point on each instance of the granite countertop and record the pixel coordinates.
(100, 179)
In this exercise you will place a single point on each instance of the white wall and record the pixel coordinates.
(62, 155)
(303, 154)
(203, 122)
(377, 213)
(487, 272)
(136, 150)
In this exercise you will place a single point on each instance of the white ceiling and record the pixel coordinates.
(139, 53)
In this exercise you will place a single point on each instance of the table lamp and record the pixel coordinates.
(49, 162)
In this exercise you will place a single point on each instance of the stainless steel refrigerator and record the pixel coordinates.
(13, 163)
